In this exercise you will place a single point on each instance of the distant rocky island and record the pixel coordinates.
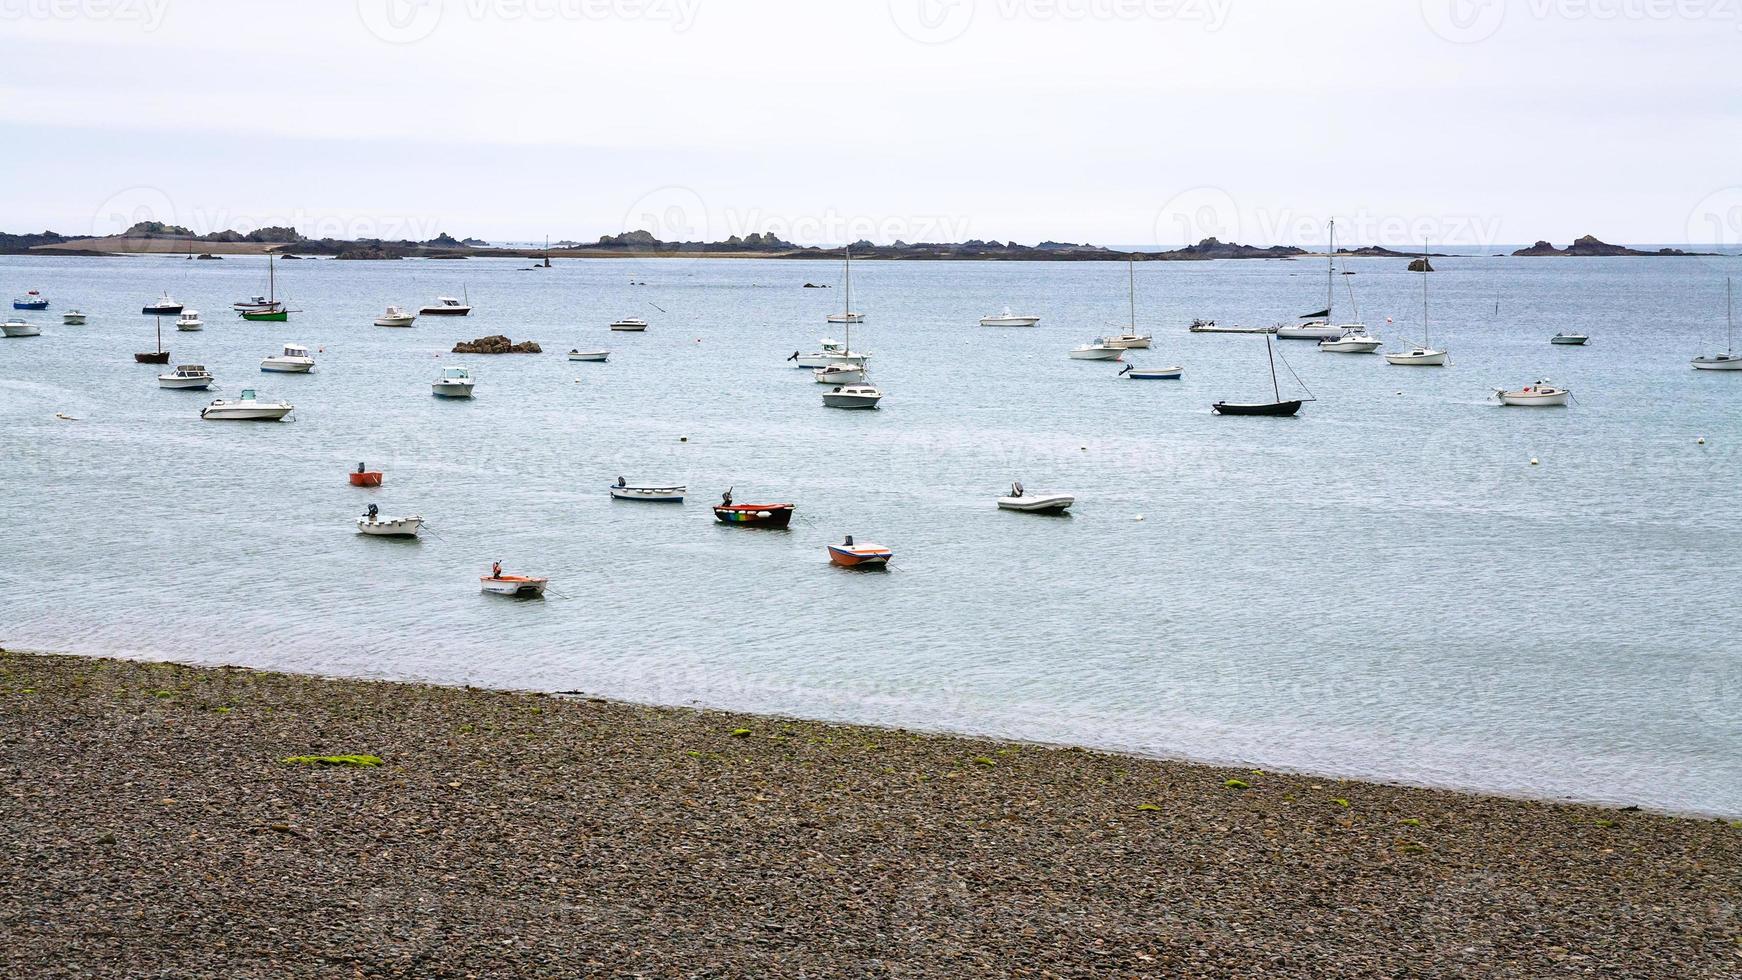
(154, 236)
(1591, 245)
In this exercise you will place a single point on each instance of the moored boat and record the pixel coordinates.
(73, 318)
(374, 523)
(1570, 339)
(187, 376)
(853, 396)
(448, 306)
(1009, 319)
(829, 352)
(395, 317)
(294, 360)
(629, 324)
(1020, 499)
(189, 321)
(752, 515)
(363, 476)
(1539, 395)
(660, 493)
(32, 300)
(1280, 408)
(839, 374)
(162, 306)
(1136, 373)
(158, 356)
(246, 408)
(1100, 350)
(849, 554)
(1354, 340)
(14, 327)
(1728, 359)
(589, 355)
(455, 382)
(519, 586)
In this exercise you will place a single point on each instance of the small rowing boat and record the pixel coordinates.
(752, 515)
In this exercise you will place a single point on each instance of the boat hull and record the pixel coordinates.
(445, 311)
(518, 586)
(172, 309)
(839, 375)
(1155, 374)
(234, 413)
(152, 357)
(1308, 333)
(1533, 399)
(843, 318)
(38, 305)
(367, 478)
(1350, 346)
(837, 399)
(655, 495)
(1097, 353)
(185, 383)
(444, 390)
(754, 515)
(276, 366)
(1050, 503)
(1719, 363)
(1569, 341)
(1129, 343)
(1275, 409)
(1418, 359)
(589, 355)
(390, 527)
(860, 556)
(266, 316)
(73, 319)
(1009, 321)
(395, 321)
(629, 327)
(24, 330)
(189, 326)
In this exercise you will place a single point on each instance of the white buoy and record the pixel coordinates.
(1701, 440)
(1139, 517)
(1533, 460)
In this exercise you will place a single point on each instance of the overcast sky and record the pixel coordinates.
(1112, 121)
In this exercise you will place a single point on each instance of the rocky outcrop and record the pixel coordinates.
(369, 251)
(497, 344)
(1590, 245)
(209, 257)
(1420, 265)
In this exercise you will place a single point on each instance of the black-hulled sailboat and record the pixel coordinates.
(1279, 407)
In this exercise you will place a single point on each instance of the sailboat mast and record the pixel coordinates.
(1132, 273)
(1424, 341)
(1331, 275)
(849, 298)
(1729, 315)
(159, 334)
(1271, 353)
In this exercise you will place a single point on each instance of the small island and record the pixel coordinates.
(1590, 245)
(497, 344)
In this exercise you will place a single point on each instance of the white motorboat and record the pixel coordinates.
(73, 318)
(447, 306)
(455, 382)
(1354, 340)
(14, 327)
(1136, 373)
(651, 492)
(1035, 503)
(187, 376)
(375, 523)
(395, 317)
(831, 352)
(1317, 330)
(1729, 360)
(1570, 339)
(629, 324)
(852, 396)
(294, 360)
(162, 306)
(1540, 394)
(1009, 319)
(589, 355)
(839, 374)
(189, 321)
(258, 304)
(246, 408)
(1100, 350)
(519, 586)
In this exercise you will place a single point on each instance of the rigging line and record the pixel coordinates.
(1296, 377)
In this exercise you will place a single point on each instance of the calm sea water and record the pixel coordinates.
(1382, 587)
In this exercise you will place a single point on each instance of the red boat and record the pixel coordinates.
(364, 477)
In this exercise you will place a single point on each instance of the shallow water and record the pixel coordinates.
(1383, 587)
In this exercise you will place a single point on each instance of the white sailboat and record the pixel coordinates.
(1318, 326)
(1423, 354)
(847, 316)
(1729, 360)
(859, 393)
(1130, 339)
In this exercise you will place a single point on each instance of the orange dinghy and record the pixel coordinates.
(365, 477)
(867, 555)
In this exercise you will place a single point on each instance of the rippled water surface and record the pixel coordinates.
(1382, 587)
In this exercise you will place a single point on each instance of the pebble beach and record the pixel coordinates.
(172, 821)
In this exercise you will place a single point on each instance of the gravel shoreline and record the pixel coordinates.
(152, 828)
